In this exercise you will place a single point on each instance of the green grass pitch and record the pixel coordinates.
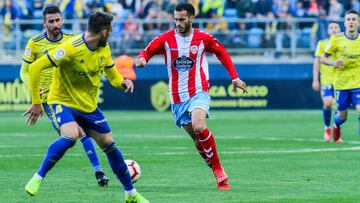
(270, 156)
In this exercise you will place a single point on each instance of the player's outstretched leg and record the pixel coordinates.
(120, 169)
(55, 151)
(207, 142)
(337, 128)
(90, 151)
(327, 117)
(201, 151)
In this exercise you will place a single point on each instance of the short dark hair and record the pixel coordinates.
(51, 9)
(333, 22)
(99, 21)
(184, 6)
(352, 11)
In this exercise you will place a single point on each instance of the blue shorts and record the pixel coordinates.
(346, 97)
(60, 114)
(181, 111)
(327, 90)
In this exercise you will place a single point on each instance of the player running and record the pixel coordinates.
(38, 46)
(326, 79)
(79, 65)
(184, 50)
(345, 47)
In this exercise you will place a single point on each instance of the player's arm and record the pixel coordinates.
(117, 80)
(114, 77)
(316, 70)
(212, 45)
(35, 110)
(49, 60)
(330, 50)
(316, 67)
(156, 46)
(28, 58)
(24, 72)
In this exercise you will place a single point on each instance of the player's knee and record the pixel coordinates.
(198, 128)
(342, 115)
(105, 141)
(327, 105)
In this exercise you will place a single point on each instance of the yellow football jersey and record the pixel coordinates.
(327, 73)
(78, 73)
(36, 47)
(341, 47)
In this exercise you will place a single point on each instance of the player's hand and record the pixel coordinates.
(128, 85)
(339, 63)
(316, 85)
(237, 83)
(140, 62)
(34, 112)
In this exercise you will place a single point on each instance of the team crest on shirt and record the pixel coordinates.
(183, 63)
(59, 54)
(194, 49)
(27, 52)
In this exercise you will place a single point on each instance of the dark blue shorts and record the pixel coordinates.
(327, 90)
(60, 114)
(346, 97)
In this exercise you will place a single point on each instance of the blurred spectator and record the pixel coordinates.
(8, 14)
(152, 13)
(131, 32)
(170, 6)
(313, 9)
(244, 9)
(128, 5)
(213, 8)
(94, 5)
(335, 10)
(71, 9)
(196, 4)
(355, 5)
(299, 10)
(263, 8)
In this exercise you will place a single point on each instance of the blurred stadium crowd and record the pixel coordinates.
(265, 24)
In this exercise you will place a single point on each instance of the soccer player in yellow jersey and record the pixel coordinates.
(326, 79)
(38, 46)
(79, 65)
(345, 47)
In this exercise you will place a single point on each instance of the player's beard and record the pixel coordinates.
(186, 28)
(103, 41)
(56, 32)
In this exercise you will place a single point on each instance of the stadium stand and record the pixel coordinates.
(246, 27)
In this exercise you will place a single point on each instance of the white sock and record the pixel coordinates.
(130, 192)
(38, 176)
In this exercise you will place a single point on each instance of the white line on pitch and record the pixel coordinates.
(291, 151)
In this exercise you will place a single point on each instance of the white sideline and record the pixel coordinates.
(282, 151)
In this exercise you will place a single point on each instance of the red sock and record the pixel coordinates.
(202, 154)
(207, 142)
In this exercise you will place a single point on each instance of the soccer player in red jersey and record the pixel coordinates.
(184, 49)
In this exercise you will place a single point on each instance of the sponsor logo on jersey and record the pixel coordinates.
(183, 63)
(59, 54)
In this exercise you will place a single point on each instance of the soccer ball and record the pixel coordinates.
(134, 169)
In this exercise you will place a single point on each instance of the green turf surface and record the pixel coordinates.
(270, 156)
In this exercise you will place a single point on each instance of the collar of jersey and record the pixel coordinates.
(83, 37)
(350, 37)
(46, 36)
